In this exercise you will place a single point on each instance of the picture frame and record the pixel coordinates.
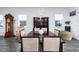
(72, 13)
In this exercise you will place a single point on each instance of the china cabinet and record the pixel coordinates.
(41, 23)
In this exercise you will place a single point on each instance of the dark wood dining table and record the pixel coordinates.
(31, 34)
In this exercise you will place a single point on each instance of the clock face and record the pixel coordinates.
(8, 20)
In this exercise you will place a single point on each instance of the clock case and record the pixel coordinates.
(8, 25)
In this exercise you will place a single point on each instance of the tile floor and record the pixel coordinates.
(71, 46)
(11, 45)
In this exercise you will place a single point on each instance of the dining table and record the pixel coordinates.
(32, 34)
(50, 34)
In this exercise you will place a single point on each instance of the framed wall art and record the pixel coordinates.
(72, 13)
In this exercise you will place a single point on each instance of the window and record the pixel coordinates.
(58, 20)
(1, 21)
(22, 19)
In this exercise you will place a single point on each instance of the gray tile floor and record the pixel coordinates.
(11, 45)
(71, 46)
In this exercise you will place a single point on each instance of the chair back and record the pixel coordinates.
(30, 44)
(51, 44)
(56, 32)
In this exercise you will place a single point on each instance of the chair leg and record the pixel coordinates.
(61, 47)
(21, 49)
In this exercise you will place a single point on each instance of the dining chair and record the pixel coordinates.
(52, 44)
(56, 32)
(30, 44)
(18, 33)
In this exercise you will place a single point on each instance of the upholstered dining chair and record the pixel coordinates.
(56, 32)
(18, 33)
(30, 44)
(52, 44)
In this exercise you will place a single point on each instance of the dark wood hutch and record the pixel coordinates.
(41, 23)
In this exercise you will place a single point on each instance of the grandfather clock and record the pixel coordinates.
(9, 25)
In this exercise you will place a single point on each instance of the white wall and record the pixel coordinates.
(74, 22)
(34, 12)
